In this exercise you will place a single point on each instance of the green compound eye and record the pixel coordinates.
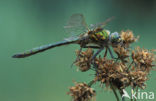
(114, 37)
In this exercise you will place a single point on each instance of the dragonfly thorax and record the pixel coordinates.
(104, 37)
(100, 35)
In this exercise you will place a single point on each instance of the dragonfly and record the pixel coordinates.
(92, 36)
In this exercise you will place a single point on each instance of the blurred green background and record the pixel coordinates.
(25, 24)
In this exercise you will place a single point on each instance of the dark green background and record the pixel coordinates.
(25, 24)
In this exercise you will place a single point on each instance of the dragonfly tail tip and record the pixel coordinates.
(15, 56)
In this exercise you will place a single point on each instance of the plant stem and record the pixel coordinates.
(121, 93)
(91, 83)
(131, 94)
(130, 66)
(105, 53)
(136, 92)
(115, 93)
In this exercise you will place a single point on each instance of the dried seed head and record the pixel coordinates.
(83, 61)
(81, 92)
(143, 58)
(138, 78)
(122, 53)
(127, 37)
(111, 72)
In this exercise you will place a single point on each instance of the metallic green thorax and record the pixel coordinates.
(101, 35)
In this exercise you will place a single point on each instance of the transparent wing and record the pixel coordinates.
(71, 38)
(100, 25)
(76, 25)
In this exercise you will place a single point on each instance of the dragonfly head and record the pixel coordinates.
(115, 38)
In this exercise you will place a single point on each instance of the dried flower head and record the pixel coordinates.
(109, 71)
(143, 58)
(83, 61)
(122, 53)
(82, 92)
(138, 78)
(127, 37)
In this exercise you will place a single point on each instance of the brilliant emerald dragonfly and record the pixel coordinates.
(94, 36)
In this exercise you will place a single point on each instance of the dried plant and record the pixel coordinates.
(143, 58)
(122, 53)
(83, 60)
(81, 92)
(131, 68)
(128, 37)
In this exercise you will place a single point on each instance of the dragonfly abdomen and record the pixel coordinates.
(43, 48)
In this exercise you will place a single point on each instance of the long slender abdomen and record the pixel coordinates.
(42, 48)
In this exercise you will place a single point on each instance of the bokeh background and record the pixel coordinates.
(25, 24)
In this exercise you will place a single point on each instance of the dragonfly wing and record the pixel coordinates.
(101, 25)
(72, 38)
(76, 25)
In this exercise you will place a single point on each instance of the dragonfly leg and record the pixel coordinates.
(94, 56)
(84, 46)
(94, 47)
(105, 53)
(110, 53)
